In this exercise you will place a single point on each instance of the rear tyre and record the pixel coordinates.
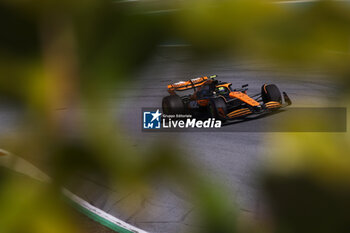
(270, 92)
(172, 105)
(217, 109)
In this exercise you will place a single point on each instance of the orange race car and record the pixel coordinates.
(217, 99)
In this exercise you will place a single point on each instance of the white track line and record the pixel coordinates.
(22, 166)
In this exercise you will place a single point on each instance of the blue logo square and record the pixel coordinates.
(151, 120)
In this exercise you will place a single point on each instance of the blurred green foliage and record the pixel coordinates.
(29, 206)
(308, 183)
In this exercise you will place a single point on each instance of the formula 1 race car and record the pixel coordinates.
(217, 99)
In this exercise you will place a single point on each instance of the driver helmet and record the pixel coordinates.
(221, 90)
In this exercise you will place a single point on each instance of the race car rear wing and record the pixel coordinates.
(184, 85)
(192, 83)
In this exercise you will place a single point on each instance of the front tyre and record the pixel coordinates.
(270, 92)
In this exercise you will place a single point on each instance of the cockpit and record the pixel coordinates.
(221, 90)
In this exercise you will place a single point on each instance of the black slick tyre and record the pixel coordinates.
(172, 105)
(270, 92)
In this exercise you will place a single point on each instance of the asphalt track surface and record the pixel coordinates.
(231, 158)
